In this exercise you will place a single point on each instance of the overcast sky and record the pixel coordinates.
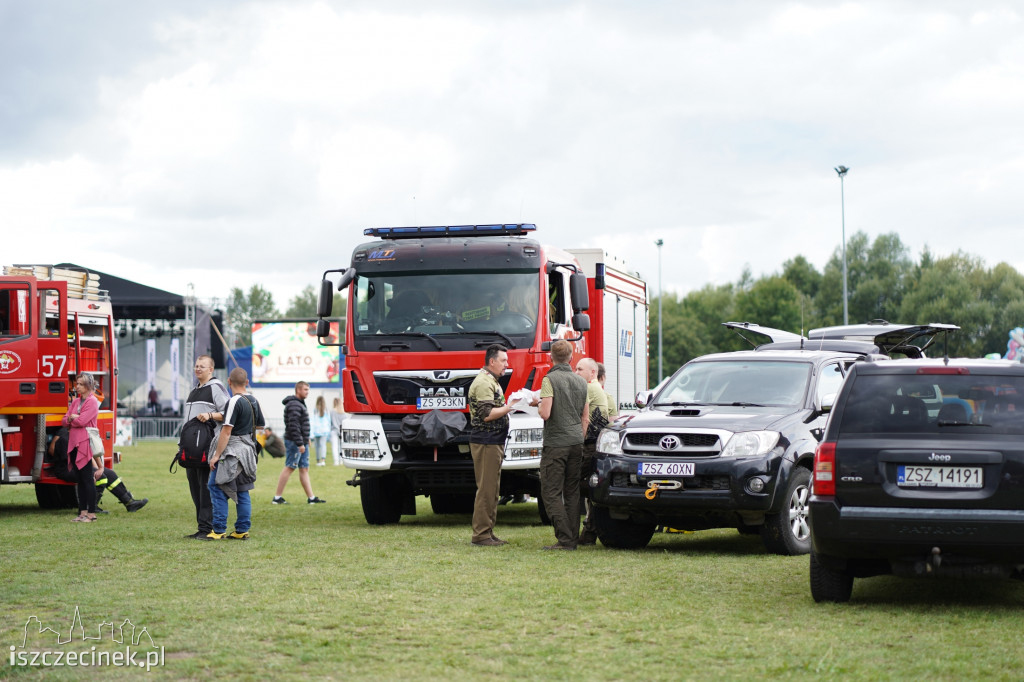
(231, 143)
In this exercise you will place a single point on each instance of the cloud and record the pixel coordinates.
(236, 143)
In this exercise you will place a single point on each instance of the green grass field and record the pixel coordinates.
(318, 594)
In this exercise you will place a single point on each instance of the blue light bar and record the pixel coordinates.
(516, 229)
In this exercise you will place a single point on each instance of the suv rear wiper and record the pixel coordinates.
(423, 334)
(492, 332)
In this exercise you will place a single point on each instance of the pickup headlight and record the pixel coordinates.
(750, 443)
(610, 442)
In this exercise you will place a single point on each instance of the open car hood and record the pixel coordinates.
(887, 337)
(774, 335)
(890, 338)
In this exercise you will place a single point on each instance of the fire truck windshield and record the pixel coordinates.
(445, 310)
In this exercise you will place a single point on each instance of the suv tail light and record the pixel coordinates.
(825, 469)
(943, 370)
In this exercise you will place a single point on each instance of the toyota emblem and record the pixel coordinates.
(669, 443)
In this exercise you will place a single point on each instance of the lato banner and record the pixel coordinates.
(286, 352)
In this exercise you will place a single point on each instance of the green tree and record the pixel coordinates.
(801, 274)
(304, 304)
(243, 308)
(951, 291)
(877, 278)
(770, 302)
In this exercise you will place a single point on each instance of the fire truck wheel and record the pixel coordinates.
(452, 503)
(382, 499)
(53, 496)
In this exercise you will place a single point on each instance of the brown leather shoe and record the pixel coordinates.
(495, 537)
(559, 546)
(489, 542)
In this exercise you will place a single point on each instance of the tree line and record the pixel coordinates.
(883, 283)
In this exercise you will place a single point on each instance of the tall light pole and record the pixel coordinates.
(659, 244)
(842, 170)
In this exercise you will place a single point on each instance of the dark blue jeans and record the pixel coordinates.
(220, 508)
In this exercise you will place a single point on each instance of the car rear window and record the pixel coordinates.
(933, 403)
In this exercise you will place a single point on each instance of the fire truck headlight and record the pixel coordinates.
(527, 435)
(357, 436)
(525, 444)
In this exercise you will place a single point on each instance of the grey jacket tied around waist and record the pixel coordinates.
(236, 470)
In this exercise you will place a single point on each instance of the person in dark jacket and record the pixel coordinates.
(296, 444)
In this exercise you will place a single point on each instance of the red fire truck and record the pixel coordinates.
(54, 323)
(423, 305)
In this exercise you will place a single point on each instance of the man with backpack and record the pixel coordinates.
(233, 464)
(206, 404)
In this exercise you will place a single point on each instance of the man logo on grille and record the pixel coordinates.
(442, 374)
(669, 443)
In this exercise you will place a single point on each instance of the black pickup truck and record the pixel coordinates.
(729, 440)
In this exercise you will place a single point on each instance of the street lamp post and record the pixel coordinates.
(659, 244)
(842, 170)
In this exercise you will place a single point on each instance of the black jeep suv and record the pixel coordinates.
(920, 473)
(728, 441)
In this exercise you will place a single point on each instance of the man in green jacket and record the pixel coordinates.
(488, 418)
(564, 409)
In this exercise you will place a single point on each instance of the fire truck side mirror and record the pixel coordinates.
(325, 301)
(323, 327)
(581, 322)
(579, 293)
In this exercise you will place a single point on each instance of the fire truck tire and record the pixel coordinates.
(452, 503)
(53, 496)
(382, 499)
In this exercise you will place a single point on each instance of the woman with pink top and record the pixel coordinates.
(82, 414)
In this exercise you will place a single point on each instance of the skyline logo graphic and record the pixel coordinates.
(136, 646)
